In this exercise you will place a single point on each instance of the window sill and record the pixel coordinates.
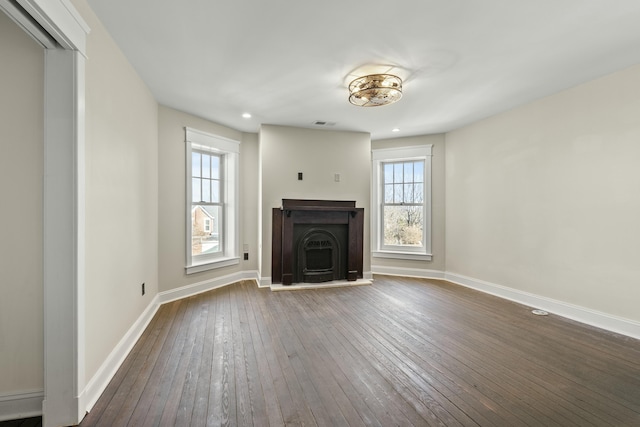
(402, 255)
(212, 265)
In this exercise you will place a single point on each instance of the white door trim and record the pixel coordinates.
(64, 210)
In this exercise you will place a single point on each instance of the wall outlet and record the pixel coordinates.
(143, 289)
(246, 256)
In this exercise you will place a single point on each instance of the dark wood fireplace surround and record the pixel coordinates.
(317, 213)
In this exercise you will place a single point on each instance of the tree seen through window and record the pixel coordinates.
(403, 203)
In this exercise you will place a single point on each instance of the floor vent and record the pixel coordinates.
(539, 312)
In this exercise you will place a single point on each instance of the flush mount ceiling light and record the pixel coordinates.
(375, 90)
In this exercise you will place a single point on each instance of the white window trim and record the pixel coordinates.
(421, 152)
(231, 149)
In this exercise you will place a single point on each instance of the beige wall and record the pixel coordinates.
(542, 199)
(318, 154)
(172, 208)
(438, 261)
(250, 197)
(121, 194)
(546, 198)
(21, 216)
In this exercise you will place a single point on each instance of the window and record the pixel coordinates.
(212, 194)
(401, 213)
(206, 202)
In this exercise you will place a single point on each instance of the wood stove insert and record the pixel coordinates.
(316, 241)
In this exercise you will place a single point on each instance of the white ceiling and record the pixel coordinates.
(289, 62)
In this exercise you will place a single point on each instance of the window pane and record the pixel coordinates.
(206, 166)
(388, 193)
(206, 190)
(418, 171)
(397, 172)
(205, 241)
(408, 193)
(397, 193)
(388, 173)
(195, 164)
(215, 167)
(418, 193)
(215, 191)
(195, 190)
(402, 225)
(408, 172)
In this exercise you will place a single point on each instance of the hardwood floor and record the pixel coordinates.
(399, 352)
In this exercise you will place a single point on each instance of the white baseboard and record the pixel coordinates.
(585, 315)
(265, 282)
(581, 314)
(108, 369)
(251, 275)
(21, 405)
(408, 272)
(101, 379)
(204, 286)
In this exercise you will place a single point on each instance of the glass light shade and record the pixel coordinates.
(375, 90)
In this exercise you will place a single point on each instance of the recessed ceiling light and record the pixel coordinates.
(395, 130)
(246, 115)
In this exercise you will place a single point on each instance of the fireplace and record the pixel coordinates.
(316, 241)
(319, 252)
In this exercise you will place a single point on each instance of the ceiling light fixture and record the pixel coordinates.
(375, 90)
(246, 115)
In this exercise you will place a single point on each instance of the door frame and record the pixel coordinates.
(59, 28)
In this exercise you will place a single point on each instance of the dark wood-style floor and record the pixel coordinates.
(398, 352)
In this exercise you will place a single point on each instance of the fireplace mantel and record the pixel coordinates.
(314, 212)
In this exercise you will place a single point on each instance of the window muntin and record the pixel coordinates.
(401, 203)
(212, 168)
(207, 193)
